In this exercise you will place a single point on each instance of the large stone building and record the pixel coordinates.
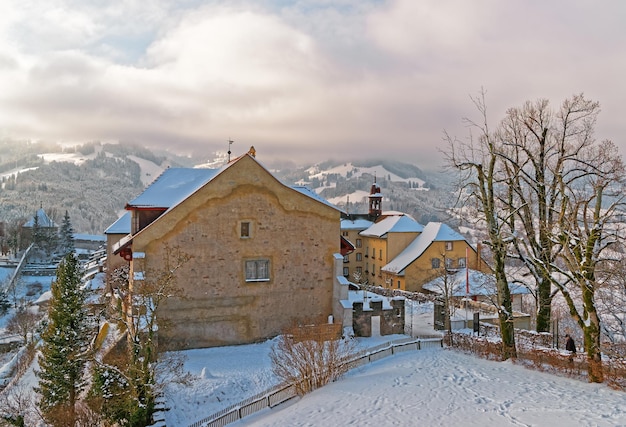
(262, 253)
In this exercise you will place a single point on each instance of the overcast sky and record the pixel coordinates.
(305, 80)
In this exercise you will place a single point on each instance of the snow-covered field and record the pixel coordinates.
(445, 388)
(421, 388)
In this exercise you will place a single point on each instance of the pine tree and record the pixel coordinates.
(36, 234)
(66, 235)
(65, 343)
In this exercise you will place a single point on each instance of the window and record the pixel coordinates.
(346, 259)
(359, 256)
(258, 270)
(398, 312)
(245, 229)
(398, 284)
(448, 246)
(373, 269)
(359, 270)
(461, 262)
(346, 271)
(380, 254)
(435, 262)
(367, 252)
(449, 262)
(358, 243)
(344, 233)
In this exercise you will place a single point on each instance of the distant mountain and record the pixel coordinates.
(94, 181)
(426, 196)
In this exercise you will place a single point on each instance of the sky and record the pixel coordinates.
(307, 80)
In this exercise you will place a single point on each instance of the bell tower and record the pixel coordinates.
(375, 199)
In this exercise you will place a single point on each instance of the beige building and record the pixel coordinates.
(437, 249)
(384, 241)
(263, 255)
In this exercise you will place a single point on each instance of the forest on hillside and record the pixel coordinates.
(93, 193)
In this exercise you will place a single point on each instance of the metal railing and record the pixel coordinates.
(284, 392)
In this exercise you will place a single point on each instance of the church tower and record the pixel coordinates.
(376, 200)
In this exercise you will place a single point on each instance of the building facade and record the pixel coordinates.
(261, 253)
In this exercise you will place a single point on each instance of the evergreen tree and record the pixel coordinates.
(64, 350)
(36, 233)
(66, 235)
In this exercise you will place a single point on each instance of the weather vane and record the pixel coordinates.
(230, 142)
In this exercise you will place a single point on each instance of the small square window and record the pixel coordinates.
(245, 229)
(257, 270)
(461, 262)
(435, 262)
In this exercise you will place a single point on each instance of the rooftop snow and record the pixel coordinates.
(43, 220)
(393, 224)
(121, 226)
(357, 224)
(433, 232)
(173, 186)
(313, 195)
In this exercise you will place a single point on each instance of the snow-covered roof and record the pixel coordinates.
(43, 220)
(312, 194)
(366, 298)
(173, 186)
(393, 224)
(480, 284)
(176, 184)
(89, 237)
(433, 232)
(355, 224)
(121, 225)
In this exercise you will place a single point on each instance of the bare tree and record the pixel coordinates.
(590, 232)
(309, 358)
(542, 150)
(483, 184)
(17, 406)
(446, 282)
(611, 300)
(131, 378)
(23, 323)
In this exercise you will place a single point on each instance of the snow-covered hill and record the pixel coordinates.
(349, 170)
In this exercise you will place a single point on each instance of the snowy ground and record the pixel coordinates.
(224, 376)
(427, 387)
(446, 388)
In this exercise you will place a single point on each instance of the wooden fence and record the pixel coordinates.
(284, 392)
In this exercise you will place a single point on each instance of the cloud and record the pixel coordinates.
(305, 80)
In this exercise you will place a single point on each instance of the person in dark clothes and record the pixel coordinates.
(570, 346)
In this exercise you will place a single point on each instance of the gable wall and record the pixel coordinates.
(298, 235)
(421, 271)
